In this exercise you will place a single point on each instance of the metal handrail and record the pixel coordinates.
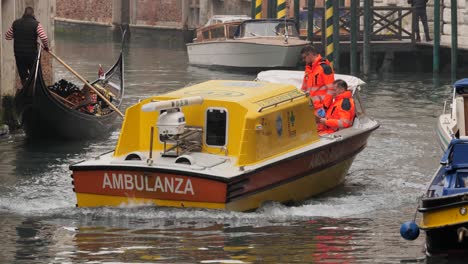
(280, 102)
(380, 22)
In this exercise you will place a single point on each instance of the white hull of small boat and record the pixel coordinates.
(443, 130)
(453, 122)
(247, 54)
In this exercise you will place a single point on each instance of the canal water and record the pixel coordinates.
(357, 222)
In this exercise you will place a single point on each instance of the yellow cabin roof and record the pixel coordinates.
(246, 93)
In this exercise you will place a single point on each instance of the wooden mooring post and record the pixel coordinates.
(366, 44)
(354, 31)
(436, 48)
(336, 35)
(297, 3)
(310, 20)
(453, 9)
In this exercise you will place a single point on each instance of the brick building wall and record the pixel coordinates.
(159, 12)
(233, 7)
(85, 10)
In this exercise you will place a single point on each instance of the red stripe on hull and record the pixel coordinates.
(290, 169)
(174, 186)
(140, 184)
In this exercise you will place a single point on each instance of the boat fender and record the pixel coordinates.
(462, 233)
(185, 159)
(409, 230)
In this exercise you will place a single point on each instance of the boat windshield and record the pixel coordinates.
(268, 29)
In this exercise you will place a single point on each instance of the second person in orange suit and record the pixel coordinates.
(342, 111)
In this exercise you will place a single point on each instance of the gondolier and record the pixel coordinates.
(25, 32)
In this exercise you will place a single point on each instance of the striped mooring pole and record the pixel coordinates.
(329, 49)
(281, 9)
(256, 9)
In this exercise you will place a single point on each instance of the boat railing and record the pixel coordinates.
(360, 110)
(445, 106)
(189, 141)
(280, 102)
(453, 112)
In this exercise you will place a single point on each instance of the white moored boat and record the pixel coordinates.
(454, 124)
(253, 43)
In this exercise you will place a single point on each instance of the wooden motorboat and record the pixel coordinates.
(241, 43)
(45, 112)
(221, 145)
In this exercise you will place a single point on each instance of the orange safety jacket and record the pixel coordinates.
(318, 81)
(340, 114)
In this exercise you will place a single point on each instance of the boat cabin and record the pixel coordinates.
(461, 109)
(220, 27)
(246, 121)
(453, 177)
(239, 28)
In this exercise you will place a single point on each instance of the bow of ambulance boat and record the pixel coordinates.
(221, 145)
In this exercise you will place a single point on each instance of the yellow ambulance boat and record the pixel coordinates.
(221, 145)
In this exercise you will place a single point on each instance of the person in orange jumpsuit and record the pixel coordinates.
(318, 79)
(341, 113)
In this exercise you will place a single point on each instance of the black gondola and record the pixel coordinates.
(45, 114)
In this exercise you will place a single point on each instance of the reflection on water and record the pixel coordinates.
(355, 223)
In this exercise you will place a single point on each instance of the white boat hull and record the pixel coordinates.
(232, 53)
(444, 133)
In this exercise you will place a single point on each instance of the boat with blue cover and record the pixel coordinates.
(444, 207)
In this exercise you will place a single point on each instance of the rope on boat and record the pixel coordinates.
(416, 211)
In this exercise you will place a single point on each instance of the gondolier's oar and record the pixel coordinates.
(86, 83)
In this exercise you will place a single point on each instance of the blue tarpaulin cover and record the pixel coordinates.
(461, 86)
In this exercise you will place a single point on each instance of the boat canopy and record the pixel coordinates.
(456, 153)
(219, 19)
(295, 78)
(461, 86)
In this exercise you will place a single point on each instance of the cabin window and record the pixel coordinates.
(268, 29)
(217, 32)
(216, 127)
(233, 31)
(206, 34)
